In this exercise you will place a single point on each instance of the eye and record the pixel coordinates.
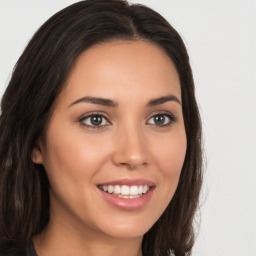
(162, 119)
(94, 121)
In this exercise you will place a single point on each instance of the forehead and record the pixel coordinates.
(123, 67)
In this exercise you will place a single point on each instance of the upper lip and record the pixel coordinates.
(130, 182)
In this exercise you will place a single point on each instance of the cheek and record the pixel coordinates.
(172, 153)
(71, 157)
(71, 162)
(64, 158)
(170, 161)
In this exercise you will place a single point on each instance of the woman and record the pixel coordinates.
(100, 137)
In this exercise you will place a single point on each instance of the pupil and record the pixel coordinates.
(159, 119)
(96, 120)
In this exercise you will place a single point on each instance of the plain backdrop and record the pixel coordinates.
(220, 36)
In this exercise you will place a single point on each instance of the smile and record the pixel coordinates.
(124, 191)
(127, 194)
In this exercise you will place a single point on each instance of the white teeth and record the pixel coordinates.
(121, 196)
(117, 189)
(134, 190)
(125, 191)
(110, 189)
(140, 189)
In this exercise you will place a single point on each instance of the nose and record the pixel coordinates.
(130, 149)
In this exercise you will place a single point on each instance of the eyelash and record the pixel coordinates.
(171, 117)
(81, 120)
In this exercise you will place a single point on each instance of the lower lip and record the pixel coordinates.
(128, 204)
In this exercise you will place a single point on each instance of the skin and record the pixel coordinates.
(128, 144)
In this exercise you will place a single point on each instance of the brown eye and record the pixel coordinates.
(161, 119)
(94, 121)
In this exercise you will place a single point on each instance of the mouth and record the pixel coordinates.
(127, 194)
(125, 191)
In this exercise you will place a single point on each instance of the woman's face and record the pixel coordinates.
(116, 142)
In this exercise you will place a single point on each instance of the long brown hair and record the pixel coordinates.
(37, 80)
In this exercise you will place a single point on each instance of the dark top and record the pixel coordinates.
(31, 250)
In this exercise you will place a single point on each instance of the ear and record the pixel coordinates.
(37, 156)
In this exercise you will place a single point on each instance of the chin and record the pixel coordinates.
(126, 229)
(128, 233)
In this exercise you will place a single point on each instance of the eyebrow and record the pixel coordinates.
(95, 100)
(162, 100)
(110, 103)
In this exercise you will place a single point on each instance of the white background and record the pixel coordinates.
(221, 39)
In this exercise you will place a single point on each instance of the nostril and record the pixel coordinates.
(132, 165)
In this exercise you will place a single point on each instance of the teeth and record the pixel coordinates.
(134, 190)
(140, 189)
(117, 189)
(125, 191)
(121, 196)
(110, 189)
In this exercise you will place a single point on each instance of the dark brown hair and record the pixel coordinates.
(37, 80)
